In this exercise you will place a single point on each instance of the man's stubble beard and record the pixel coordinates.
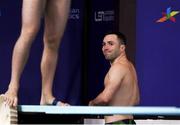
(112, 56)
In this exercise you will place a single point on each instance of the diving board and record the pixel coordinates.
(100, 110)
(31, 114)
(82, 114)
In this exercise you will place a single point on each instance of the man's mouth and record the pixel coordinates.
(107, 52)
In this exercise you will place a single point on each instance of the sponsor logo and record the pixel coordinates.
(100, 16)
(168, 15)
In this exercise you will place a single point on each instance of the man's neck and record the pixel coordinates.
(120, 58)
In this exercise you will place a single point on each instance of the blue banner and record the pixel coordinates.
(157, 56)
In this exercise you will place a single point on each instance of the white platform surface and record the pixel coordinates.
(100, 110)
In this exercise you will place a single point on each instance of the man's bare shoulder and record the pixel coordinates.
(118, 69)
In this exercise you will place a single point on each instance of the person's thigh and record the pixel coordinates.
(32, 12)
(56, 15)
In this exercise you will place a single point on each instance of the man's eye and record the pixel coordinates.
(110, 43)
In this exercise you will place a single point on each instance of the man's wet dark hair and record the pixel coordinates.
(121, 36)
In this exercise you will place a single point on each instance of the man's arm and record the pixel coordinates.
(114, 78)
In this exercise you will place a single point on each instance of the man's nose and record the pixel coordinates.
(105, 48)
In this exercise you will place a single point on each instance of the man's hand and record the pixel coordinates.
(91, 103)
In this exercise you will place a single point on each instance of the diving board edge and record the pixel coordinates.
(100, 110)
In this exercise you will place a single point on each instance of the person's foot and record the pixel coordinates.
(59, 103)
(52, 101)
(10, 98)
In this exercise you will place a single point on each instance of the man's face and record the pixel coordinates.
(111, 47)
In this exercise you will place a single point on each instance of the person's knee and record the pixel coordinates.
(27, 37)
(29, 32)
(52, 42)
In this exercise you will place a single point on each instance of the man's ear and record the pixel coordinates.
(122, 47)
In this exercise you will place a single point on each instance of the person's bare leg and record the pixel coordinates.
(56, 16)
(31, 14)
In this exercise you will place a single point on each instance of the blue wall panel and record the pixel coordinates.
(157, 57)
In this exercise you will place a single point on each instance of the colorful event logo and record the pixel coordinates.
(169, 15)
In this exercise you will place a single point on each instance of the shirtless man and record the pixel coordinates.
(55, 13)
(121, 87)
